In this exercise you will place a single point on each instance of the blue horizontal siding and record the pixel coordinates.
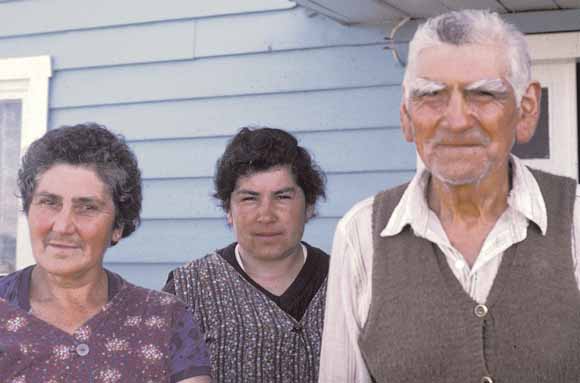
(344, 190)
(31, 17)
(186, 198)
(299, 111)
(174, 241)
(178, 79)
(277, 72)
(339, 151)
(296, 29)
(109, 46)
(183, 198)
(176, 40)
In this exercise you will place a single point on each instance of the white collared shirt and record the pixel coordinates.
(349, 277)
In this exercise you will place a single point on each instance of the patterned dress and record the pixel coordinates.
(139, 336)
(250, 337)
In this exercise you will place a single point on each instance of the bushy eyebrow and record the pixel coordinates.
(495, 85)
(76, 200)
(290, 189)
(245, 191)
(422, 86)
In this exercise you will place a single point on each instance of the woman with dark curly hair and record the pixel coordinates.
(260, 300)
(67, 319)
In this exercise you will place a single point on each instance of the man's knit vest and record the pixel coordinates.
(250, 338)
(423, 327)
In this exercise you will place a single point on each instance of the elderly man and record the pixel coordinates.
(467, 273)
(260, 300)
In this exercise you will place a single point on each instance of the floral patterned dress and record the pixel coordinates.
(139, 336)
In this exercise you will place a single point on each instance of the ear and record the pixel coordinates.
(529, 113)
(229, 217)
(309, 212)
(117, 234)
(406, 125)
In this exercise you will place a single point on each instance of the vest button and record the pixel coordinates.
(480, 311)
(486, 379)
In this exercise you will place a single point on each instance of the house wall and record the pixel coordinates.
(178, 79)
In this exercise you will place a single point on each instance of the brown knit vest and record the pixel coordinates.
(422, 326)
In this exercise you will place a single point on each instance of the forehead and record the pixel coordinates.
(71, 181)
(463, 64)
(269, 180)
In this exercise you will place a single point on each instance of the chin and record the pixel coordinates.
(460, 177)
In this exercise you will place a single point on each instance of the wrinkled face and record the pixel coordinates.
(462, 113)
(268, 212)
(71, 220)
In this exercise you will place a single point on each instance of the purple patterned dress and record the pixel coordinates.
(139, 336)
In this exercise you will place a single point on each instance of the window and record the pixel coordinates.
(23, 118)
(554, 147)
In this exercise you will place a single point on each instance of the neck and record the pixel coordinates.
(484, 200)
(87, 289)
(274, 274)
(469, 212)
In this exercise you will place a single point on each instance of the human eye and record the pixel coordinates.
(248, 198)
(430, 96)
(486, 93)
(483, 94)
(431, 93)
(87, 208)
(46, 201)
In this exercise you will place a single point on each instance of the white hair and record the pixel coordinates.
(473, 27)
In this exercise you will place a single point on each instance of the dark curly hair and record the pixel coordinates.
(258, 149)
(93, 146)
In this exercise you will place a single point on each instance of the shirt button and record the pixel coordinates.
(480, 312)
(486, 379)
(82, 349)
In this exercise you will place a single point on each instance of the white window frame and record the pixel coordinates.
(27, 79)
(554, 59)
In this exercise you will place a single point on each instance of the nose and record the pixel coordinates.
(63, 221)
(266, 211)
(457, 112)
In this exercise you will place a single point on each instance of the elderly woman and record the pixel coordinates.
(67, 319)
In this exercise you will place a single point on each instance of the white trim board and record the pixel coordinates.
(554, 46)
(27, 79)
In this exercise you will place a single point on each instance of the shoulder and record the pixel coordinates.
(360, 215)
(320, 258)
(8, 283)
(315, 251)
(181, 277)
(360, 212)
(11, 284)
(545, 177)
(200, 263)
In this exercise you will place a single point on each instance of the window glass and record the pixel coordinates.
(539, 145)
(10, 127)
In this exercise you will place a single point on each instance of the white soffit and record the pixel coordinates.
(568, 3)
(390, 12)
(349, 12)
(529, 5)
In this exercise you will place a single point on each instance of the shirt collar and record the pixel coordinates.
(525, 197)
